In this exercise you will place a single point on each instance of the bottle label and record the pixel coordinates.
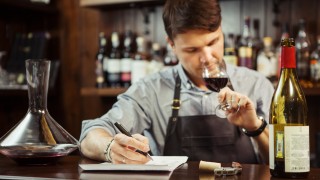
(125, 64)
(267, 65)
(231, 59)
(245, 57)
(105, 64)
(291, 144)
(297, 155)
(126, 77)
(113, 65)
(271, 146)
(139, 70)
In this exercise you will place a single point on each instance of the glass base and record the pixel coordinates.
(220, 110)
(37, 154)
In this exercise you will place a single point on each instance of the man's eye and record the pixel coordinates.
(191, 50)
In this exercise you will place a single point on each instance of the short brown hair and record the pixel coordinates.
(182, 15)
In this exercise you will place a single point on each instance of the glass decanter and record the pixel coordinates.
(37, 139)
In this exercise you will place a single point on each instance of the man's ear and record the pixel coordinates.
(170, 42)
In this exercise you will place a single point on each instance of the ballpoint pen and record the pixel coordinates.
(124, 131)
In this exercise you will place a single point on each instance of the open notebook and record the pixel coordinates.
(159, 163)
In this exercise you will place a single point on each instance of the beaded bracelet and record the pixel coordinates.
(107, 152)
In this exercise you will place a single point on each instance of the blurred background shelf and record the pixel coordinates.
(27, 6)
(111, 92)
(314, 91)
(107, 92)
(109, 4)
(14, 90)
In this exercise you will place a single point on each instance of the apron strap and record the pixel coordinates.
(175, 108)
(176, 102)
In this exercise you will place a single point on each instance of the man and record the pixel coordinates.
(173, 112)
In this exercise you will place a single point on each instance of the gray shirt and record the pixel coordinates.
(145, 107)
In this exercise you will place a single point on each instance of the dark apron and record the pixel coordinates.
(205, 137)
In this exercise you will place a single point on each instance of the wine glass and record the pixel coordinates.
(216, 77)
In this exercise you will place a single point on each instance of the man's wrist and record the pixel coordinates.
(107, 152)
(258, 131)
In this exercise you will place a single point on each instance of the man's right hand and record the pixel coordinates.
(123, 149)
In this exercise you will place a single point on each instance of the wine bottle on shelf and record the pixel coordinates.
(126, 61)
(141, 60)
(156, 63)
(267, 63)
(170, 58)
(113, 62)
(245, 47)
(257, 43)
(289, 151)
(99, 60)
(303, 52)
(315, 64)
(230, 55)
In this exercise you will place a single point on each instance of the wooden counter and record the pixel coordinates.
(67, 168)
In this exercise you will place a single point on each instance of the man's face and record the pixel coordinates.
(196, 46)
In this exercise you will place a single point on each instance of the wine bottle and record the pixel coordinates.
(156, 63)
(289, 150)
(315, 64)
(99, 60)
(245, 47)
(126, 61)
(170, 58)
(113, 63)
(267, 63)
(230, 55)
(141, 60)
(303, 51)
(257, 42)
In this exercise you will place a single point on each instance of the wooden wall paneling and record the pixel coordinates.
(95, 106)
(91, 25)
(90, 21)
(70, 65)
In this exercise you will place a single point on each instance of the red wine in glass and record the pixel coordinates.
(216, 83)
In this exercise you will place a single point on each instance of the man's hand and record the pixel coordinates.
(242, 112)
(123, 149)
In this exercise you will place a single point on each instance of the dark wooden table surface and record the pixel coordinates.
(67, 168)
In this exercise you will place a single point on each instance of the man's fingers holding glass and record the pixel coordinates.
(234, 103)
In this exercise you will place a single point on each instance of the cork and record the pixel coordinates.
(208, 166)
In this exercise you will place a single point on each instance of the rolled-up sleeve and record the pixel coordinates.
(127, 110)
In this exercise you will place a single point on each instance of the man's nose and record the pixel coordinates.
(206, 55)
